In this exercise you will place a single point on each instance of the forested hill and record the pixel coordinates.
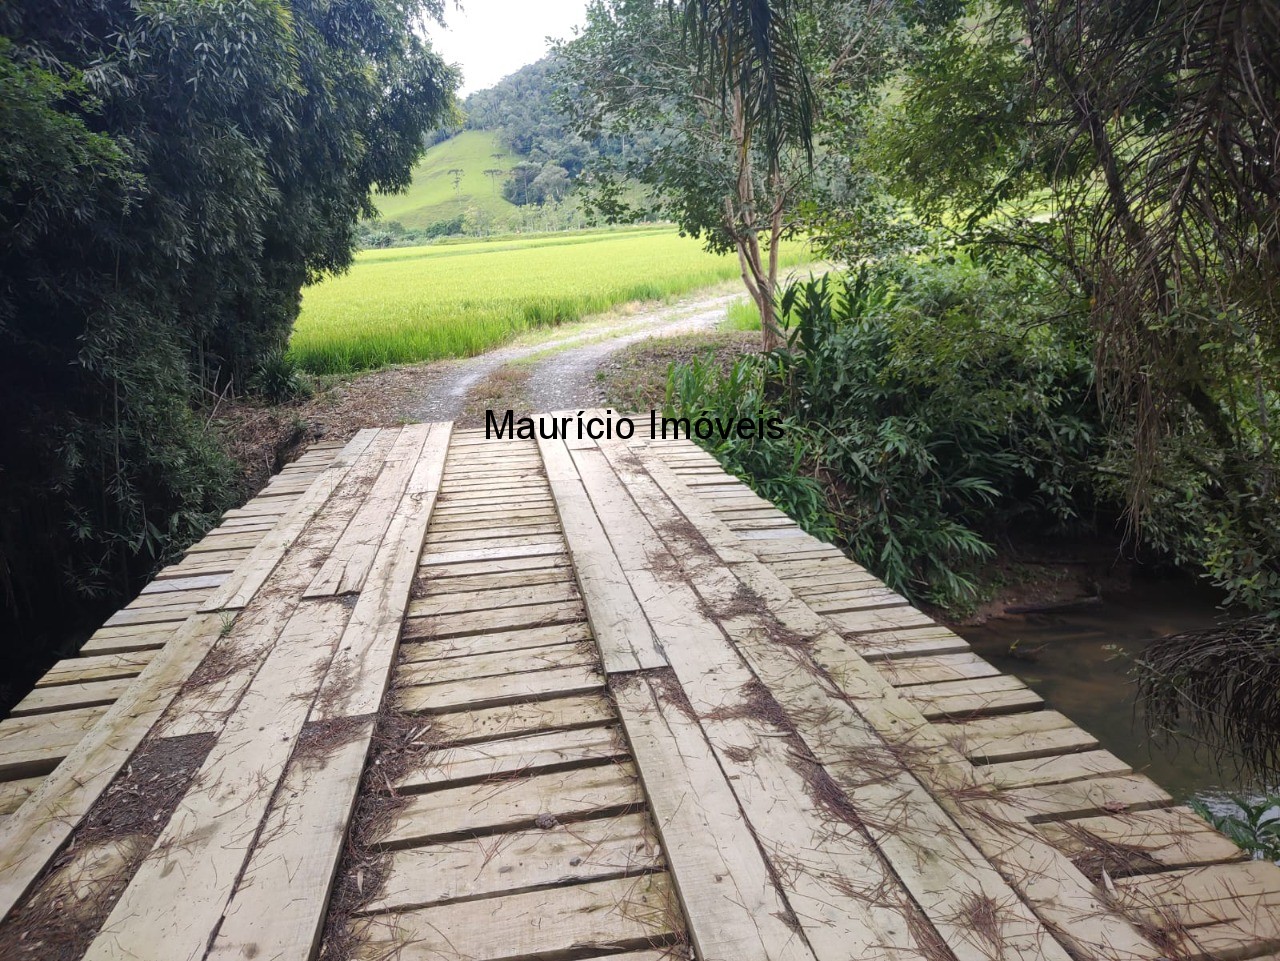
(520, 108)
(512, 164)
(546, 157)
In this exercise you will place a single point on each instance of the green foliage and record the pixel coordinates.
(1254, 826)
(927, 409)
(279, 379)
(742, 315)
(170, 177)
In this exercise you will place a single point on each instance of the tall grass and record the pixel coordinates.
(427, 303)
(742, 315)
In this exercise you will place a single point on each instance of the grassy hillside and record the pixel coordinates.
(452, 300)
(432, 197)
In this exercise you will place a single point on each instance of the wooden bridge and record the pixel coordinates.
(432, 696)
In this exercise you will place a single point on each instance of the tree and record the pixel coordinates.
(493, 173)
(171, 176)
(724, 92)
(551, 185)
(1131, 148)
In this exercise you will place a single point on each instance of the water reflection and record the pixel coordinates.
(1071, 659)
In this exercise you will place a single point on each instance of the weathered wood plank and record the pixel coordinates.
(1103, 795)
(626, 912)
(497, 691)
(517, 861)
(475, 645)
(208, 840)
(35, 745)
(345, 569)
(14, 792)
(513, 803)
(33, 834)
(1141, 843)
(414, 671)
(731, 903)
(625, 639)
(279, 905)
(999, 694)
(105, 667)
(64, 697)
(496, 598)
(459, 764)
(512, 720)
(1017, 737)
(360, 673)
(1054, 770)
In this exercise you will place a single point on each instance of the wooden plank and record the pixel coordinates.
(625, 638)
(857, 599)
(250, 575)
(169, 599)
(32, 836)
(430, 575)
(488, 622)
(1053, 770)
(205, 706)
(1140, 843)
(462, 603)
(633, 912)
(915, 642)
(347, 566)
(36, 745)
(496, 691)
(999, 694)
(1218, 911)
(901, 672)
(107, 643)
(498, 532)
(504, 552)
(439, 587)
(14, 792)
(517, 861)
(1103, 795)
(460, 764)
(46, 700)
(512, 720)
(106, 667)
(501, 641)
(360, 673)
(512, 803)
(414, 671)
(811, 847)
(278, 908)
(522, 521)
(175, 612)
(886, 619)
(1017, 737)
(731, 904)
(206, 843)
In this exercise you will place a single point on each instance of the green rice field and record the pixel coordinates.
(455, 300)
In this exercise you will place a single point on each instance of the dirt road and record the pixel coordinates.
(559, 372)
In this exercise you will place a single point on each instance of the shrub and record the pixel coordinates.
(924, 410)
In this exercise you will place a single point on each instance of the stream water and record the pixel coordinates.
(1072, 659)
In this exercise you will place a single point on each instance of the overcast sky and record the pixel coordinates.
(492, 38)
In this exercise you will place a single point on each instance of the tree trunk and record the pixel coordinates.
(744, 226)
